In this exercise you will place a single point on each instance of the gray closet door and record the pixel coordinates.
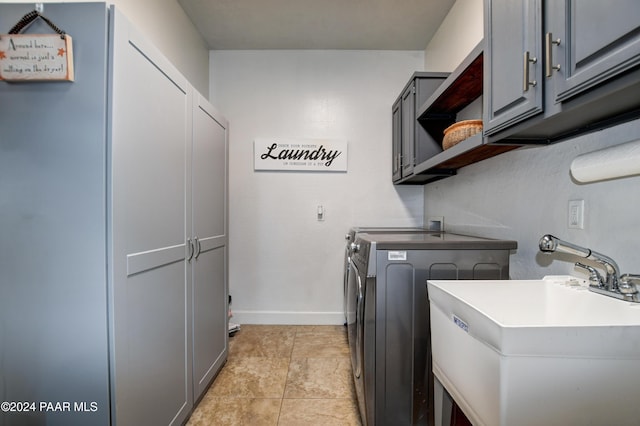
(150, 129)
(209, 227)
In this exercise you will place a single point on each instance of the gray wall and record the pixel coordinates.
(524, 194)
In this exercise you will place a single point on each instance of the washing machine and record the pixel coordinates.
(388, 314)
(350, 237)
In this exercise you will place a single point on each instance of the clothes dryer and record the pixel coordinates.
(350, 237)
(388, 315)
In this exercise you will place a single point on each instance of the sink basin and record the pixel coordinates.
(534, 352)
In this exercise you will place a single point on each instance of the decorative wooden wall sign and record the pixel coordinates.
(320, 155)
(36, 57)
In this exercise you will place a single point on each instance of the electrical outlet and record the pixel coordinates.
(576, 214)
(435, 223)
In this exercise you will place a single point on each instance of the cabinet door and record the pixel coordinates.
(598, 40)
(151, 356)
(396, 161)
(408, 120)
(512, 63)
(209, 230)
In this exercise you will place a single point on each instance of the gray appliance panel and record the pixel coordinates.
(356, 230)
(397, 382)
(433, 241)
(430, 241)
(351, 236)
(403, 379)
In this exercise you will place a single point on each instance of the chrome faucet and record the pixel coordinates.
(625, 287)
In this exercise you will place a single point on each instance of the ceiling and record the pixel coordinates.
(317, 24)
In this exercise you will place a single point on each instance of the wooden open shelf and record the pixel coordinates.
(461, 88)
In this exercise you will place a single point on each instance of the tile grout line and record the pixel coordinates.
(286, 379)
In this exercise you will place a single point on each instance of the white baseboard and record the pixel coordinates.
(288, 318)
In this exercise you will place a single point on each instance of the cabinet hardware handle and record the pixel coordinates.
(549, 41)
(526, 82)
(191, 249)
(198, 248)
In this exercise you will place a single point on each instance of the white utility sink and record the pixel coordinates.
(536, 352)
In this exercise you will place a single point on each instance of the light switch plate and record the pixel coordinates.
(576, 214)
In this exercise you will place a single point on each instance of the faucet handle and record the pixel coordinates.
(595, 279)
(629, 283)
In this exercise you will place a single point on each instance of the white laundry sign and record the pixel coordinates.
(300, 154)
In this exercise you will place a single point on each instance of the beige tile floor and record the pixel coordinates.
(285, 376)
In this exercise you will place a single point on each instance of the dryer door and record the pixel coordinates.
(355, 332)
(354, 317)
(345, 278)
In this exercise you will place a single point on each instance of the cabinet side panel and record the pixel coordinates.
(53, 294)
(426, 145)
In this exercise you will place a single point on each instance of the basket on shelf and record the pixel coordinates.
(460, 131)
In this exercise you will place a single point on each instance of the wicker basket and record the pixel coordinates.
(460, 131)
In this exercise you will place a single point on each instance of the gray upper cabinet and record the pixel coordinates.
(555, 68)
(589, 42)
(410, 140)
(513, 53)
(457, 96)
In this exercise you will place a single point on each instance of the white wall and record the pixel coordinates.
(166, 25)
(524, 194)
(460, 32)
(285, 266)
(171, 30)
